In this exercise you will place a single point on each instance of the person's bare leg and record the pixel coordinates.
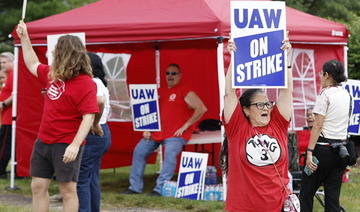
(69, 195)
(40, 195)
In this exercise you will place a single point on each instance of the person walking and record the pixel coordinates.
(328, 136)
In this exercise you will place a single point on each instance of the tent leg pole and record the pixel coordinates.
(346, 61)
(157, 68)
(221, 81)
(13, 126)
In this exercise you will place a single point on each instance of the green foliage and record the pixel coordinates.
(10, 14)
(343, 11)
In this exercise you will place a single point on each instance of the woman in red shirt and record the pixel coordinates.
(257, 137)
(68, 113)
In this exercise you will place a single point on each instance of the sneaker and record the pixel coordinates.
(129, 191)
(154, 194)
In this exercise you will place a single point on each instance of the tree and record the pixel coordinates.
(343, 11)
(10, 14)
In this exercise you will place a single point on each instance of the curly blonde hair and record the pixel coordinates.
(70, 59)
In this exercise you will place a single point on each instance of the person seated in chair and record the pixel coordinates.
(180, 108)
(303, 136)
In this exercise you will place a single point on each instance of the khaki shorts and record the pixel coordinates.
(46, 162)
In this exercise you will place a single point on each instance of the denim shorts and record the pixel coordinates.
(47, 162)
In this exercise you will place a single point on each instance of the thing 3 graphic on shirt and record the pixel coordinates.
(258, 149)
(56, 89)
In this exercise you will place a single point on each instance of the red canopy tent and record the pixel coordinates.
(155, 33)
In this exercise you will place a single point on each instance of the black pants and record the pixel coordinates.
(5, 147)
(329, 174)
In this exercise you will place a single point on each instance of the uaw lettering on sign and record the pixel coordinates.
(145, 109)
(191, 176)
(269, 18)
(353, 87)
(258, 29)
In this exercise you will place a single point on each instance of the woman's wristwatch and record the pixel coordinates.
(3, 104)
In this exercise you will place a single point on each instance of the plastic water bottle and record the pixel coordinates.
(212, 195)
(221, 192)
(211, 178)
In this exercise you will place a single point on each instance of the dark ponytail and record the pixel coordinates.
(336, 70)
(97, 67)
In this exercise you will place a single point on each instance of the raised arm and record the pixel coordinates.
(30, 58)
(231, 99)
(195, 103)
(96, 128)
(285, 100)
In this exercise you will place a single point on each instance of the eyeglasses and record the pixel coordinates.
(261, 105)
(172, 73)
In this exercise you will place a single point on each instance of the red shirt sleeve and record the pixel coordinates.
(42, 72)
(236, 119)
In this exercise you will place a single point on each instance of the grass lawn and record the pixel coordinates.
(116, 180)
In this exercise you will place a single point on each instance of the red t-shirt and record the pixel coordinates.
(5, 94)
(253, 184)
(303, 138)
(174, 112)
(65, 103)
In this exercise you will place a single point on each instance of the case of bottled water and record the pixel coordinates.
(169, 189)
(214, 192)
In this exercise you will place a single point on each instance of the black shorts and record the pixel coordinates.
(47, 162)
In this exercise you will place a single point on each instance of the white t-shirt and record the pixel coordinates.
(103, 91)
(333, 103)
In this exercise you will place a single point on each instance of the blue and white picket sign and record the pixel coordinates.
(353, 87)
(258, 29)
(145, 107)
(191, 178)
(53, 39)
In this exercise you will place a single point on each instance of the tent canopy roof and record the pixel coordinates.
(147, 20)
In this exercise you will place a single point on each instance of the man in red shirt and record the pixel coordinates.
(180, 108)
(6, 61)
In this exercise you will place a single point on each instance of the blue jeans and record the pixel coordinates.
(143, 149)
(88, 187)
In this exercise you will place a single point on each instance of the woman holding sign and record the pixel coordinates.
(256, 129)
(68, 114)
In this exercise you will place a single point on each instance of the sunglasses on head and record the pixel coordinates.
(171, 73)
